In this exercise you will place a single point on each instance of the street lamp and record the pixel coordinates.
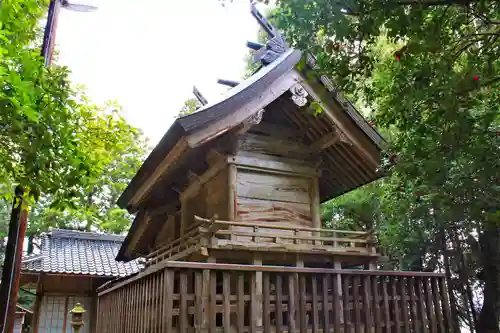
(77, 317)
(49, 35)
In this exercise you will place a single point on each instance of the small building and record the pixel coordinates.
(68, 269)
(228, 218)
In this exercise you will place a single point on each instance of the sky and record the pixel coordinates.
(148, 54)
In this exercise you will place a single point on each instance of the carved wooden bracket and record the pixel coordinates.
(299, 95)
(345, 139)
(326, 141)
(254, 119)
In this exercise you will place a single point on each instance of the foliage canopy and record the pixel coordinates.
(429, 72)
(74, 157)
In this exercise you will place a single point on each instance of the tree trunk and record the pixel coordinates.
(447, 270)
(490, 259)
(31, 246)
(464, 276)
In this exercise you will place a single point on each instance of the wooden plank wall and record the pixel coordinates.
(265, 197)
(225, 300)
(266, 194)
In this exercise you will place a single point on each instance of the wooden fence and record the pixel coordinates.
(199, 297)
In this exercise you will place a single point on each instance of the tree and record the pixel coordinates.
(191, 105)
(121, 149)
(75, 157)
(429, 72)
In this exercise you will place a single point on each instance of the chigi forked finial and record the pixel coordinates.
(263, 22)
(276, 46)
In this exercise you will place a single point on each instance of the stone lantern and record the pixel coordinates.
(77, 317)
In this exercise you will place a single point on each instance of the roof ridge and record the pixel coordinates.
(77, 234)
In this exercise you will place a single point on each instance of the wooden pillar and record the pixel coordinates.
(299, 262)
(232, 195)
(231, 201)
(371, 265)
(206, 315)
(184, 216)
(38, 303)
(315, 209)
(337, 303)
(256, 292)
(93, 314)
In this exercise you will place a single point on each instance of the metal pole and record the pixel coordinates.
(12, 262)
(18, 218)
(49, 35)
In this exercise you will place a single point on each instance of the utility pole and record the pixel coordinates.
(9, 286)
(49, 35)
(12, 262)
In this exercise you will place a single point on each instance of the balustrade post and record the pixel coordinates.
(255, 238)
(256, 293)
(337, 292)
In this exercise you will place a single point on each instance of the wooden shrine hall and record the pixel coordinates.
(227, 211)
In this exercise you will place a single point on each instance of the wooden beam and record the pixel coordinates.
(214, 156)
(170, 162)
(202, 179)
(339, 117)
(162, 210)
(326, 141)
(143, 221)
(273, 166)
(277, 130)
(255, 143)
(192, 177)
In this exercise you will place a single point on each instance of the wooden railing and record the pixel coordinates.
(212, 232)
(189, 242)
(200, 297)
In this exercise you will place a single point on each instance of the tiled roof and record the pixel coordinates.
(77, 252)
